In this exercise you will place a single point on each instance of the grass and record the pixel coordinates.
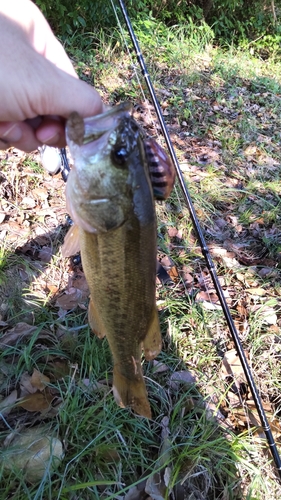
(223, 109)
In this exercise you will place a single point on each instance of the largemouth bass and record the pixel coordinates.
(110, 199)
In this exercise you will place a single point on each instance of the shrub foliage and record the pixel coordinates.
(232, 21)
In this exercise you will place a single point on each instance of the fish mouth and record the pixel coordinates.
(97, 126)
(82, 131)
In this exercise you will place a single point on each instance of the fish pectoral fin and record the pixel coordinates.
(71, 243)
(152, 343)
(95, 322)
(131, 392)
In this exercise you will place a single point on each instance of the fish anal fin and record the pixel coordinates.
(152, 343)
(95, 323)
(131, 392)
(71, 243)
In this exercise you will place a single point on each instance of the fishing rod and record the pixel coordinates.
(203, 245)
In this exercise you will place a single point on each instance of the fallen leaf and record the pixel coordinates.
(265, 271)
(159, 367)
(53, 289)
(38, 380)
(39, 193)
(181, 377)
(157, 484)
(256, 291)
(45, 254)
(266, 313)
(8, 403)
(2, 217)
(37, 401)
(162, 275)
(20, 331)
(71, 299)
(137, 492)
(207, 296)
(33, 453)
(232, 364)
(28, 202)
(26, 384)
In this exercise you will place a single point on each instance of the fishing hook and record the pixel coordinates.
(204, 247)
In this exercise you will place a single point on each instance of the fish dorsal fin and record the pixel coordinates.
(71, 243)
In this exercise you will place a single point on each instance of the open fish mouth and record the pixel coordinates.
(84, 131)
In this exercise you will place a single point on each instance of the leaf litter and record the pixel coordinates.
(231, 161)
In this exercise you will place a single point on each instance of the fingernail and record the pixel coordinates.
(49, 139)
(13, 133)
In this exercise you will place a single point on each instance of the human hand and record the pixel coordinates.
(38, 85)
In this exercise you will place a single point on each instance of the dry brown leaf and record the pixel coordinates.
(33, 453)
(167, 262)
(137, 492)
(232, 365)
(256, 291)
(71, 299)
(53, 289)
(173, 273)
(155, 487)
(2, 217)
(266, 314)
(58, 369)
(38, 380)
(45, 254)
(181, 377)
(38, 401)
(28, 202)
(159, 367)
(26, 384)
(7, 404)
(157, 484)
(186, 275)
(79, 281)
(39, 193)
(12, 336)
(207, 296)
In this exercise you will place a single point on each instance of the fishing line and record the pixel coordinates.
(203, 245)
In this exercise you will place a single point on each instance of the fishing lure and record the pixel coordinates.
(161, 170)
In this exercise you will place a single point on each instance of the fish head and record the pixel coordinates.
(100, 188)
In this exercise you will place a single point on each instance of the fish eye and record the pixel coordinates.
(119, 156)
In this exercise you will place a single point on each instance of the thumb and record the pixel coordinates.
(63, 94)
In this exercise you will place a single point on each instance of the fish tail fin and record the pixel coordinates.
(95, 322)
(153, 341)
(131, 392)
